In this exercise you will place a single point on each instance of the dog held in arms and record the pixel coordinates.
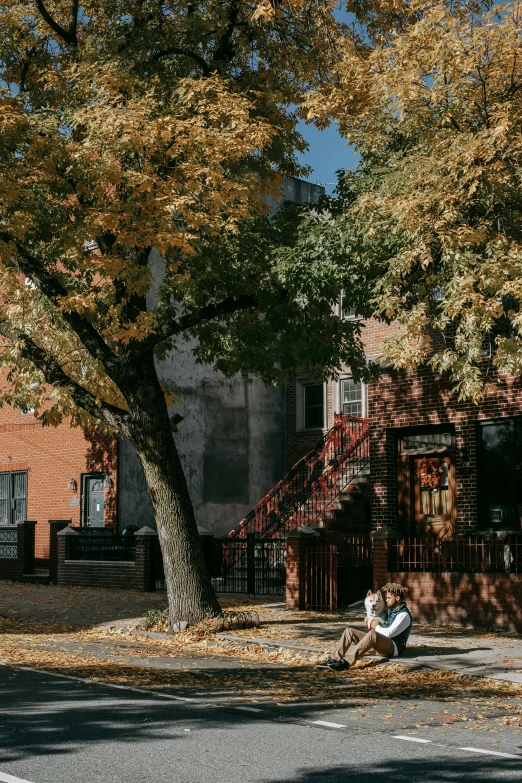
(375, 607)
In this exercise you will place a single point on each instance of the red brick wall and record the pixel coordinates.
(120, 576)
(411, 398)
(479, 600)
(421, 397)
(299, 443)
(52, 456)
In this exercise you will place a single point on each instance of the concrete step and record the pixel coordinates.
(40, 577)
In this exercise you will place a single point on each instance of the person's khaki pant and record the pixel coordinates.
(354, 644)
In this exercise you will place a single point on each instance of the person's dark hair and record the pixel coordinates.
(395, 589)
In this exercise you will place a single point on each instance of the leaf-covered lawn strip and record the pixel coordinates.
(320, 629)
(38, 645)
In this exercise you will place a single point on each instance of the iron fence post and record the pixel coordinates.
(333, 578)
(251, 564)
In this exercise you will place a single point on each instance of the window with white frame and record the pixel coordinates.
(344, 310)
(313, 406)
(352, 397)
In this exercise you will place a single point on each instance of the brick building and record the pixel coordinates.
(55, 473)
(437, 465)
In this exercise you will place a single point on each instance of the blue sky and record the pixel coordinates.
(327, 153)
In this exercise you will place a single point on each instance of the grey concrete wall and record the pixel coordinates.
(232, 447)
(134, 506)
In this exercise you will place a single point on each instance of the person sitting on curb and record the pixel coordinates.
(387, 638)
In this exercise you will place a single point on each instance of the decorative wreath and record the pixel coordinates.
(430, 473)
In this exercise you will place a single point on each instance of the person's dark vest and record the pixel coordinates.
(402, 638)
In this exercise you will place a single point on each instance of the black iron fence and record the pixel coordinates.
(101, 547)
(157, 570)
(354, 568)
(472, 555)
(321, 577)
(247, 565)
(97, 532)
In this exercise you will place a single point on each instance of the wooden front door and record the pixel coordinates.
(426, 495)
(93, 501)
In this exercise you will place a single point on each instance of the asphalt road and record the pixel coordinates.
(57, 730)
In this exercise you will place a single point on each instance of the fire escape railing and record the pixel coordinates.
(306, 491)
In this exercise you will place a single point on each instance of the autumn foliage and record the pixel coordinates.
(433, 104)
(138, 141)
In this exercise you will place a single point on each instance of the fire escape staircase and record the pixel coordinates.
(311, 487)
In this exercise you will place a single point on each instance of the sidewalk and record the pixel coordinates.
(304, 635)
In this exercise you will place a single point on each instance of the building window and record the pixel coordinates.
(313, 406)
(345, 310)
(500, 478)
(352, 398)
(426, 441)
(13, 497)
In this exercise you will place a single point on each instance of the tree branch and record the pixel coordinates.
(73, 19)
(68, 36)
(53, 289)
(25, 68)
(184, 322)
(184, 53)
(57, 377)
(225, 50)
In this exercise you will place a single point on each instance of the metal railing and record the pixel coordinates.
(8, 542)
(97, 531)
(321, 577)
(101, 547)
(355, 550)
(249, 565)
(314, 482)
(467, 555)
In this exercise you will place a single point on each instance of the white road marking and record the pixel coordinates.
(108, 684)
(493, 753)
(10, 779)
(4, 778)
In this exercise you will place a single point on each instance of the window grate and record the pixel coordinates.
(13, 497)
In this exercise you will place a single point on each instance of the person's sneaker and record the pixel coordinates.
(338, 666)
(326, 664)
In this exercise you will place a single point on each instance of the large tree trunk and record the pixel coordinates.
(190, 593)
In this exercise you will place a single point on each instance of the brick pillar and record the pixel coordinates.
(382, 540)
(55, 525)
(296, 575)
(25, 547)
(63, 551)
(20, 549)
(146, 539)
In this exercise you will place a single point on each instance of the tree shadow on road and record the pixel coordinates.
(432, 769)
(46, 715)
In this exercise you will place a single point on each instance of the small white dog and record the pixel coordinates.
(375, 607)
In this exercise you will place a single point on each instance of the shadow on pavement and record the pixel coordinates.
(44, 715)
(413, 651)
(434, 769)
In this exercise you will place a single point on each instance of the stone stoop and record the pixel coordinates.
(350, 512)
